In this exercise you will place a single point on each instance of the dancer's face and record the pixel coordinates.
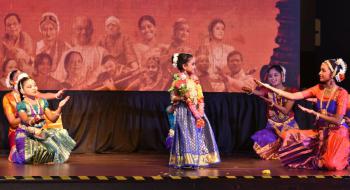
(325, 73)
(148, 30)
(274, 77)
(30, 88)
(190, 66)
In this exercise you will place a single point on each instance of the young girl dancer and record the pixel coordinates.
(280, 116)
(327, 147)
(194, 143)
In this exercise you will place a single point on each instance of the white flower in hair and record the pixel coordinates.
(341, 62)
(284, 72)
(7, 81)
(175, 59)
(20, 77)
(343, 67)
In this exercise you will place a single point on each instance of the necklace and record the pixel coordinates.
(324, 111)
(275, 99)
(34, 113)
(279, 101)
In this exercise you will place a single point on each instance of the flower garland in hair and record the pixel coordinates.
(175, 59)
(7, 81)
(340, 76)
(20, 76)
(284, 72)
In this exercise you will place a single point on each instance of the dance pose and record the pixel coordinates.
(34, 143)
(326, 147)
(280, 116)
(193, 142)
(11, 99)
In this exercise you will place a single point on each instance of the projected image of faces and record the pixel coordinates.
(131, 49)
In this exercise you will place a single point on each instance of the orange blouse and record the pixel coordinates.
(9, 103)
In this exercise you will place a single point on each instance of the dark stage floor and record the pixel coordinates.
(146, 164)
(148, 171)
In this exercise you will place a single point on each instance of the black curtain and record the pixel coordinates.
(103, 122)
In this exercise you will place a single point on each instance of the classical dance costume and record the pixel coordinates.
(268, 141)
(37, 144)
(193, 142)
(9, 103)
(326, 147)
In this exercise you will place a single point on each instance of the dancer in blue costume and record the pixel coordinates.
(34, 143)
(193, 142)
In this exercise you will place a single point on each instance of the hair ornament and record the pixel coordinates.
(342, 67)
(175, 59)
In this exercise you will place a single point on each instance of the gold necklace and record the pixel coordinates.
(275, 98)
(34, 112)
(324, 111)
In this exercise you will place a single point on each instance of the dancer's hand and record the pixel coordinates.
(63, 102)
(307, 110)
(60, 93)
(313, 100)
(259, 83)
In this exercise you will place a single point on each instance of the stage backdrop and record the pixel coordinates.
(128, 44)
